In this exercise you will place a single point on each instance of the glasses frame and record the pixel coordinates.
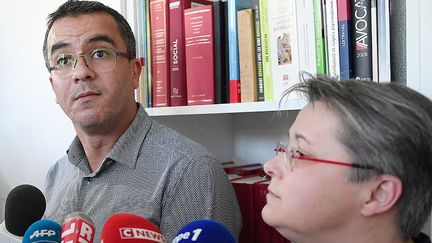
(83, 54)
(284, 149)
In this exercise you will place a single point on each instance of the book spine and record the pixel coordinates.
(383, 15)
(362, 51)
(148, 60)
(374, 40)
(199, 55)
(344, 24)
(283, 46)
(332, 39)
(258, 50)
(263, 232)
(177, 52)
(247, 53)
(266, 53)
(305, 36)
(141, 50)
(159, 21)
(220, 52)
(320, 50)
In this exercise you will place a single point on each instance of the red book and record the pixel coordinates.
(177, 52)
(199, 55)
(159, 31)
(244, 170)
(244, 190)
(263, 232)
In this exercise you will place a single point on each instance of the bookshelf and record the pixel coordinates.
(248, 132)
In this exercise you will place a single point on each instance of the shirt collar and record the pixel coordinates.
(124, 151)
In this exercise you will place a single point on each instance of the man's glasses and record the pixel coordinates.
(99, 60)
(292, 159)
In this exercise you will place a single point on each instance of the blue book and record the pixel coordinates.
(344, 27)
(233, 52)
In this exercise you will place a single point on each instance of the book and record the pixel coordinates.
(177, 52)
(159, 22)
(383, 18)
(361, 31)
(265, 49)
(263, 232)
(283, 46)
(332, 37)
(344, 28)
(305, 36)
(320, 50)
(141, 31)
(220, 32)
(245, 170)
(247, 55)
(258, 51)
(199, 55)
(374, 40)
(234, 66)
(244, 190)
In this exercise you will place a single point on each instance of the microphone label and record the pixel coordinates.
(138, 233)
(42, 233)
(77, 230)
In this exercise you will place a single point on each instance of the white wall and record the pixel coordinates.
(34, 132)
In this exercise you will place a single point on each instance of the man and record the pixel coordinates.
(358, 167)
(121, 160)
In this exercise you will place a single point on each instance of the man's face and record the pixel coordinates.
(313, 198)
(90, 98)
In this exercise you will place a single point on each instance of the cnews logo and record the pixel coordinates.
(137, 233)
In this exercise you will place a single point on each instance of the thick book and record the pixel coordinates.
(263, 232)
(258, 51)
(332, 37)
(383, 18)
(344, 28)
(265, 49)
(220, 32)
(199, 55)
(177, 52)
(244, 190)
(362, 39)
(320, 46)
(159, 22)
(234, 66)
(283, 46)
(247, 55)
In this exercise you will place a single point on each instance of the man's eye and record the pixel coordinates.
(99, 54)
(64, 60)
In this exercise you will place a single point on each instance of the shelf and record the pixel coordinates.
(292, 104)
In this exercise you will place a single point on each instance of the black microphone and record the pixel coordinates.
(25, 204)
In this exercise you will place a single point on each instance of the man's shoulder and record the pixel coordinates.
(422, 238)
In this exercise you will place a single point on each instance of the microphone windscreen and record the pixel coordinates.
(78, 227)
(204, 230)
(43, 231)
(131, 228)
(25, 204)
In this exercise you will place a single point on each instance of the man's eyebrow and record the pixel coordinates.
(103, 38)
(57, 46)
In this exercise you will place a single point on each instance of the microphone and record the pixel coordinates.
(205, 231)
(43, 230)
(131, 228)
(77, 227)
(25, 204)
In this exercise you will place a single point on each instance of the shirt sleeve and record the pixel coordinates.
(203, 191)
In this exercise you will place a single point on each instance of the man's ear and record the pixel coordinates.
(136, 71)
(384, 192)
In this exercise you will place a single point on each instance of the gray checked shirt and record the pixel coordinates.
(152, 171)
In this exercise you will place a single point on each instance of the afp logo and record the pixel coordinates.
(42, 233)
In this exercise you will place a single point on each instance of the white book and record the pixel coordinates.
(332, 38)
(306, 36)
(374, 31)
(383, 16)
(283, 46)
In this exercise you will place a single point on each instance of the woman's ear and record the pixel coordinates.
(384, 192)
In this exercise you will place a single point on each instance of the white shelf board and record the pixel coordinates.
(292, 104)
